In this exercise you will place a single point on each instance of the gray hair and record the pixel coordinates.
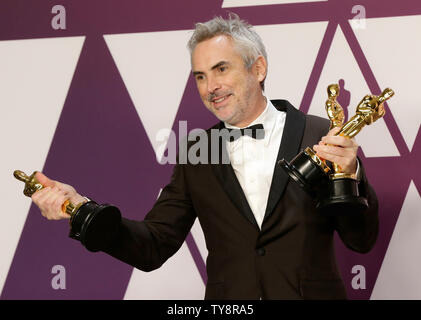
(247, 41)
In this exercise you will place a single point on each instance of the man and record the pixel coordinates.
(264, 236)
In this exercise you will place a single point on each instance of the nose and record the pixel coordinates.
(213, 84)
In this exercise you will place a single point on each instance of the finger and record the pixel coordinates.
(345, 159)
(40, 194)
(68, 189)
(44, 180)
(49, 201)
(50, 197)
(340, 141)
(338, 155)
(333, 131)
(54, 206)
(335, 150)
(332, 158)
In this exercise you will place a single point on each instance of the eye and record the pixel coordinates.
(223, 68)
(199, 77)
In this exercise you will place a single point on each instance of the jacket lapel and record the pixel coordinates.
(229, 182)
(289, 148)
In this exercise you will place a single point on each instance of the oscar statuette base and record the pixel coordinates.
(342, 197)
(95, 225)
(306, 169)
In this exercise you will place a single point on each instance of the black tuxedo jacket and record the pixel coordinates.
(291, 257)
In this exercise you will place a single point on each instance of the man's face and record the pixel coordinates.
(226, 87)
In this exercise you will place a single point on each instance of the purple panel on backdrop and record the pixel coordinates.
(24, 19)
(100, 148)
(99, 137)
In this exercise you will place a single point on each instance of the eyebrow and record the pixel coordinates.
(219, 64)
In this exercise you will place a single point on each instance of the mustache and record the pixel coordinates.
(213, 96)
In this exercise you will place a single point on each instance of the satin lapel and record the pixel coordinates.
(229, 182)
(289, 148)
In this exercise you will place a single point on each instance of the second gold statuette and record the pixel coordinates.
(333, 188)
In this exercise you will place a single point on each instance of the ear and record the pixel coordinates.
(260, 68)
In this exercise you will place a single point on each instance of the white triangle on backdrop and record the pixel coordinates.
(35, 76)
(288, 68)
(155, 67)
(392, 47)
(375, 139)
(244, 3)
(177, 279)
(399, 276)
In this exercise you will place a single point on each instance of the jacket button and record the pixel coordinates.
(261, 251)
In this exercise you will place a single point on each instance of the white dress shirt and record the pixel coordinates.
(253, 160)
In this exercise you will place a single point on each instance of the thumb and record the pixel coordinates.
(44, 180)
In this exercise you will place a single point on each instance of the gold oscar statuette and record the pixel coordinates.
(336, 116)
(334, 111)
(32, 185)
(342, 190)
(369, 110)
(94, 225)
(333, 188)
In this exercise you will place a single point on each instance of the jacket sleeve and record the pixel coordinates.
(359, 230)
(147, 244)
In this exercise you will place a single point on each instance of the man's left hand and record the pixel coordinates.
(338, 149)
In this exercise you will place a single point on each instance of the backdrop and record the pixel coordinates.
(85, 87)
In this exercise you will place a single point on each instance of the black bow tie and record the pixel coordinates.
(256, 132)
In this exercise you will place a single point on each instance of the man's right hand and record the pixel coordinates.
(51, 198)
